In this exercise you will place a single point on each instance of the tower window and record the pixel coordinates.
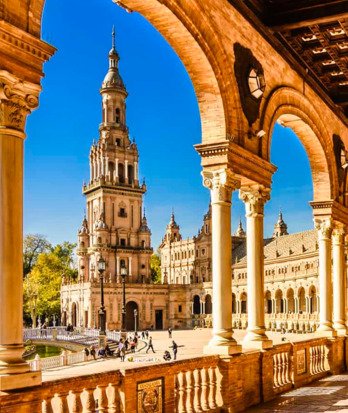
(180, 308)
(123, 242)
(118, 142)
(117, 115)
(122, 213)
(143, 244)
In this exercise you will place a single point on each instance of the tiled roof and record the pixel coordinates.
(284, 246)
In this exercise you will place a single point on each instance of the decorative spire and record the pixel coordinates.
(113, 38)
(240, 230)
(280, 228)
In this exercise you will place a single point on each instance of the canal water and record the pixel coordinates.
(46, 351)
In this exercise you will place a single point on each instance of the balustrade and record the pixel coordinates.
(198, 390)
(281, 369)
(318, 359)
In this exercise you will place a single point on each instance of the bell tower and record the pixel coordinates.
(114, 227)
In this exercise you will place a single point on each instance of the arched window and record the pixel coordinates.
(208, 304)
(196, 305)
(130, 174)
(121, 173)
(312, 299)
(117, 115)
(301, 300)
(291, 300)
(268, 302)
(279, 301)
(243, 303)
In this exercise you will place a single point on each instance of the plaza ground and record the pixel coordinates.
(192, 342)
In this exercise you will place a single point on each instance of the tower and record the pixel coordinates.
(280, 227)
(114, 227)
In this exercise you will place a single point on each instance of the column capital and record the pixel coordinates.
(222, 183)
(254, 197)
(324, 227)
(17, 99)
(338, 233)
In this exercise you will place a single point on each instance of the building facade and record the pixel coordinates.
(115, 228)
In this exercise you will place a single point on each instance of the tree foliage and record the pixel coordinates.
(42, 284)
(155, 265)
(33, 246)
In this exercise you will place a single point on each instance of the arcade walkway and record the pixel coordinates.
(327, 395)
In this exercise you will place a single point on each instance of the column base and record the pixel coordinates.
(341, 329)
(263, 344)
(227, 349)
(325, 331)
(21, 380)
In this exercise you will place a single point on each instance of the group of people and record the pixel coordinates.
(130, 343)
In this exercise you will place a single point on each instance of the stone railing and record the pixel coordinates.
(198, 390)
(194, 385)
(64, 359)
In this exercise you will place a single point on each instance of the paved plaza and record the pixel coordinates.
(192, 342)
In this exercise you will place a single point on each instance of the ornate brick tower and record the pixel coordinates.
(114, 226)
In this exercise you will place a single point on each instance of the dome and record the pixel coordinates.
(84, 227)
(113, 79)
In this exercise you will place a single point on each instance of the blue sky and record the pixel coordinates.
(162, 114)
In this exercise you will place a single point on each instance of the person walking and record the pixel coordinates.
(150, 346)
(92, 352)
(122, 350)
(147, 334)
(170, 332)
(174, 346)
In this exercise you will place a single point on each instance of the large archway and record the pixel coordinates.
(131, 316)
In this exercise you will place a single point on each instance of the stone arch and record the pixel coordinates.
(279, 302)
(194, 38)
(243, 302)
(208, 304)
(196, 304)
(74, 314)
(301, 300)
(290, 297)
(292, 109)
(130, 317)
(312, 293)
(268, 302)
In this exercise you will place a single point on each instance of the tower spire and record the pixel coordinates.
(113, 37)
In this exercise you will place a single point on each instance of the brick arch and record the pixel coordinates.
(292, 109)
(189, 31)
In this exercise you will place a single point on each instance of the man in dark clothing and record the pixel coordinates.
(174, 346)
(150, 346)
(169, 332)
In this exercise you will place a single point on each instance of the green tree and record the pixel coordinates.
(42, 284)
(155, 265)
(33, 246)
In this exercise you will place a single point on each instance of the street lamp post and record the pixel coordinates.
(135, 321)
(102, 321)
(123, 275)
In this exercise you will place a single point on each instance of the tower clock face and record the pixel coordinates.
(256, 83)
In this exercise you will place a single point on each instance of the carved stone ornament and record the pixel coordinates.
(324, 228)
(17, 100)
(254, 199)
(150, 396)
(338, 234)
(221, 183)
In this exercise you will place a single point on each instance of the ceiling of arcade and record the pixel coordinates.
(316, 33)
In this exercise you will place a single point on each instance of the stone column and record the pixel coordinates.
(136, 178)
(130, 266)
(126, 171)
(324, 228)
(254, 199)
(221, 184)
(17, 99)
(339, 280)
(116, 168)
